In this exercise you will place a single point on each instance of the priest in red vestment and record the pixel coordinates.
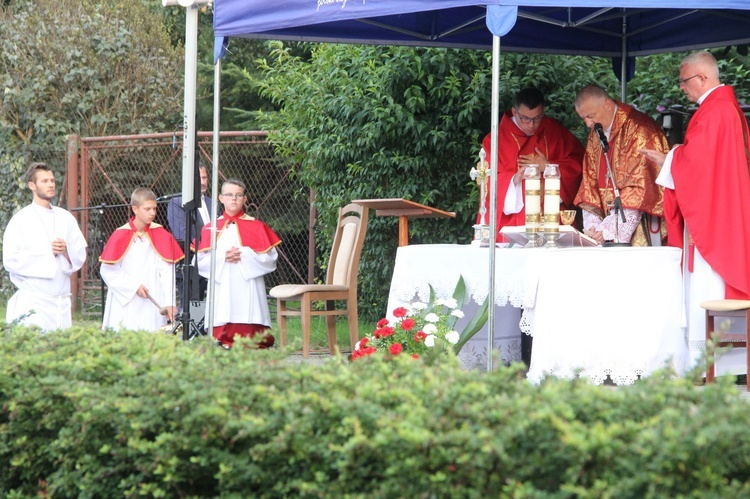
(526, 136)
(627, 131)
(707, 178)
(707, 200)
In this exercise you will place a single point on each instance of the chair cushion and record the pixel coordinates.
(725, 305)
(289, 291)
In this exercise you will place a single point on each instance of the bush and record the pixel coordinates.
(85, 413)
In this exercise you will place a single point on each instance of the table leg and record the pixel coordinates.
(403, 230)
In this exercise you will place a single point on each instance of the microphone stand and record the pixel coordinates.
(617, 205)
(190, 278)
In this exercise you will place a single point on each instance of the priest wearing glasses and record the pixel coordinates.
(527, 136)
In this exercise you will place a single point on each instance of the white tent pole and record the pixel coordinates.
(214, 196)
(188, 118)
(624, 62)
(493, 199)
(189, 131)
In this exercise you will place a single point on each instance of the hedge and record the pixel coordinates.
(85, 413)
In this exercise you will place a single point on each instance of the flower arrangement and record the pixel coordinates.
(419, 330)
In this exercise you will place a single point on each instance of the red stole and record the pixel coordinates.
(711, 174)
(161, 241)
(254, 234)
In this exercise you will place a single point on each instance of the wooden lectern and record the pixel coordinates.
(403, 209)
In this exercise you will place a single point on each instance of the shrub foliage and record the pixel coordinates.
(90, 414)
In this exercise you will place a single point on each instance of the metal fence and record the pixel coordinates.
(102, 172)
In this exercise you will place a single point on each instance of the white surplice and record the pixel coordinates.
(42, 279)
(240, 291)
(141, 264)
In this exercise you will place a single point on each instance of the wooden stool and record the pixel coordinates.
(727, 308)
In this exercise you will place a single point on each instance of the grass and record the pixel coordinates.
(318, 331)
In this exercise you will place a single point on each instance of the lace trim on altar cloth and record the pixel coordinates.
(474, 357)
(527, 320)
(516, 294)
(598, 374)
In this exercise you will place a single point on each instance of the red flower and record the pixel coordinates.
(407, 324)
(420, 336)
(363, 352)
(363, 342)
(383, 332)
(414, 356)
(396, 349)
(399, 312)
(382, 322)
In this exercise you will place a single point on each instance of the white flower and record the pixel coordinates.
(418, 305)
(452, 337)
(457, 313)
(450, 302)
(432, 317)
(430, 340)
(429, 329)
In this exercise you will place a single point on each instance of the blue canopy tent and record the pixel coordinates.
(621, 29)
(610, 28)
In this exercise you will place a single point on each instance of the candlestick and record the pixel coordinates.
(551, 198)
(532, 198)
(480, 174)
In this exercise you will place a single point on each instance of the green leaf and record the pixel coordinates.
(476, 323)
(459, 294)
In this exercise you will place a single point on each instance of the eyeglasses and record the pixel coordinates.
(526, 119)
(233, 196)
(685, 80)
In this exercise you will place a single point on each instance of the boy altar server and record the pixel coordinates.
(138, 268)
(245, 252)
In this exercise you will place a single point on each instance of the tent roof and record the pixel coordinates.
(580, 27)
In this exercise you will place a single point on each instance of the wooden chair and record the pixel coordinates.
(340, 285)
(726, 308)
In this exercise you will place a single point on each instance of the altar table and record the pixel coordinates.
(592, 312)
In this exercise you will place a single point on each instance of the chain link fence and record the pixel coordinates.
(110, 168)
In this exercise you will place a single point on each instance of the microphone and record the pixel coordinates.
(602, 138)
(169, 196)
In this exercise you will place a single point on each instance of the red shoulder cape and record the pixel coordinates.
(558, 145)
(254, 234)
(161, 240)
(711, 174)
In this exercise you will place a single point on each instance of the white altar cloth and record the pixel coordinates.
(595, 311)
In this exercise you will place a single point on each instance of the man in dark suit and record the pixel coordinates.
(176, 220)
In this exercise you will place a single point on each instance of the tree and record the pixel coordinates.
(86, 67)
(79, 67)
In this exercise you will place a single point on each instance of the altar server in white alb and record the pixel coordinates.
(138, 267)
(42, 247)
(245, 252)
